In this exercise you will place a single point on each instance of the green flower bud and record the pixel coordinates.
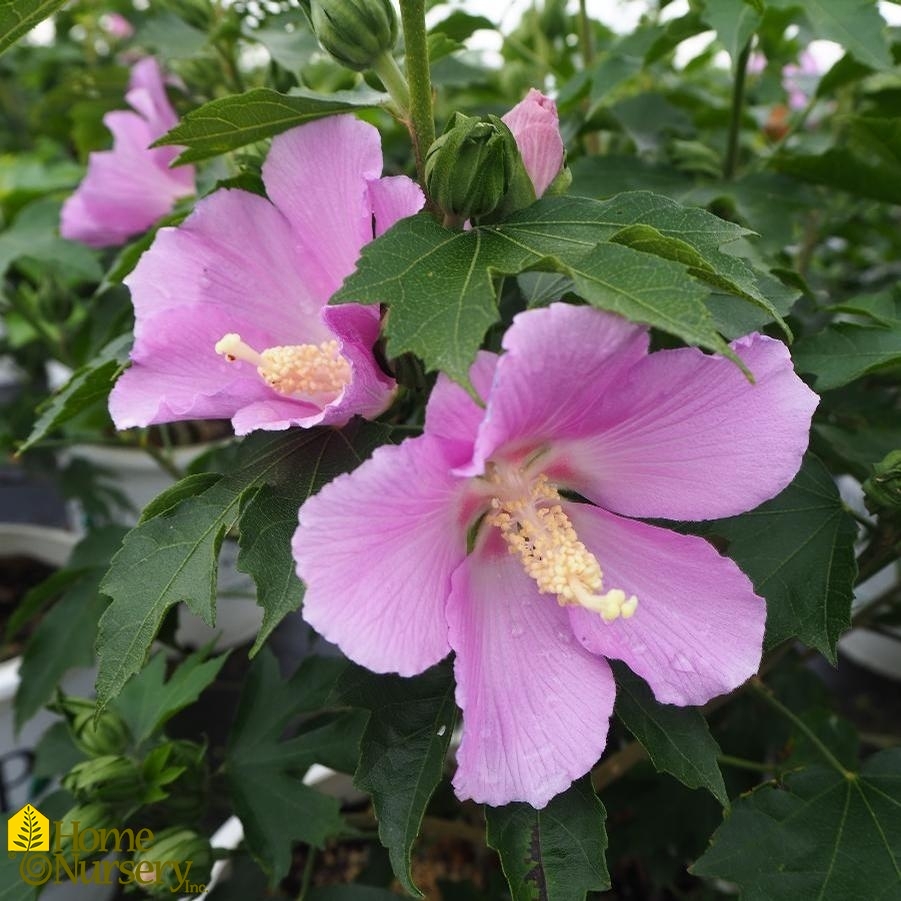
(355, 32)
(883, 488)
(110, 779)
(470, 168)
(91, 815)
(175, 845)
(187, 795)
(95, 735)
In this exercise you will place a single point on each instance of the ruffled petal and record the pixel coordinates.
(698, 629)
(176, 373)
(452, 414)
(536, 127)
(392, 199)
(237, 252)
(376, 549)
(548, 386)
(318, 175)
(536, 705)
(686, 436)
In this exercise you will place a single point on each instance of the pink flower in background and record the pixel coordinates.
(116, 26)
(128, 188)
(553, 586)
(231, 315)
(536, 127)
(800, 80)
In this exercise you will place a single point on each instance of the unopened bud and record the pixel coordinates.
(96, 735)
(355, 32)
(153, 865)
(470, 168)
(883, 489)
(83, 820)
(110, 779)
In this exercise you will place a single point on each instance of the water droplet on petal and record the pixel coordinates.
(640, 648)
(682, 664)
(516, 630)
(563, 636)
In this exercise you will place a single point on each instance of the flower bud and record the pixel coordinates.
(83, 817)
(883, 489)
(96, 735)
(110, 779)
(187, 795)
(355, 32)
(470, 168)
(173, 845)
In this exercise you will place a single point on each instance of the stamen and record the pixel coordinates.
(307, 371)
(545, 541)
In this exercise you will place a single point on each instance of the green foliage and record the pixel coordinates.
(172, 557)
(442, 285)
(264, 773)
(819, 834)
(798, 550)
(402, 751)
(676, 738)
(556, 853)
(18, 17)
(241, 119)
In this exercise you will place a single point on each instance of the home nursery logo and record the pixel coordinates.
(70, 853)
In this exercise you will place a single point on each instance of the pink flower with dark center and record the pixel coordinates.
(230, 306)
(536, 127)
(128, 188)
(576, 407)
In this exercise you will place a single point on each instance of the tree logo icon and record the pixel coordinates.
(28, 830)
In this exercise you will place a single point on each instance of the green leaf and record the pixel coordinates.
(402, 751)
(18, 17)
(867, 162)
(819, 834)
(798, 550)
(734, 22)
(855, 24)
(442, 285)
(264, 774)
(240, 119)
(676, 738)
(290, 49)
(845, 351)
(173, 557)
(557, 853)
(87, 385)
(149, 700)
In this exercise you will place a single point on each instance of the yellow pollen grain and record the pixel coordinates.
(542, 536)
(312, 370)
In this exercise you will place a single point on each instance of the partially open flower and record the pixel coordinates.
(230, 306)
(128, 188)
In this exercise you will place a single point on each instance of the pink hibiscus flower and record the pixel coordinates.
(536, 127)
(554, 585)
(230, 306)
(128, 188)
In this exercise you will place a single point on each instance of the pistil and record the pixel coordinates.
(540, 533)
(316, 372)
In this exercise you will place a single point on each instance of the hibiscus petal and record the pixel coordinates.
(536, 705)
(535, 126)
(235, 251)
(686, 436)
(318, 176)
(452, 414)
(392, 199)
(376, 548)
(176, 373)
(550, 382)
(698, 629)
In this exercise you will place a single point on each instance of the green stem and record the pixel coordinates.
(419, 81)
(763, 692)
(738, 96)
(307, 877)
(387, 69)
(741, 764)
